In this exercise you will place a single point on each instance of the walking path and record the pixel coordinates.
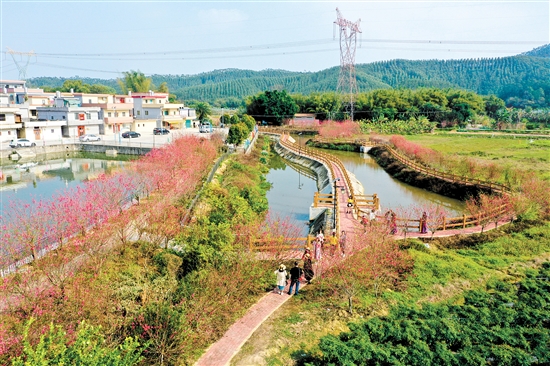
(221, 352)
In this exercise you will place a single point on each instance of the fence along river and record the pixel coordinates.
(293, 190)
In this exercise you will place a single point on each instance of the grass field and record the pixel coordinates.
(519, 153)
(440, 274)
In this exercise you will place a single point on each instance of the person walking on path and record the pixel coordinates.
(342, 243)
(393, 223)
(424, 223)
(317, 246)
(295, 274)
(333, 242)
(349, 208)
(281, 278)
(307, 251)
(308, 268)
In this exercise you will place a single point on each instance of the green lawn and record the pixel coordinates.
(520, 153)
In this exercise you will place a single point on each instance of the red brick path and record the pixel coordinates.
(221, 352)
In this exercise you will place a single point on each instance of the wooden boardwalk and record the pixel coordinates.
(221, 352)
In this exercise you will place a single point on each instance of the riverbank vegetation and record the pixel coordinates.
(457, 277)
(143, 280)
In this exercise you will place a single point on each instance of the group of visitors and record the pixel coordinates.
(368, 219)
(332, 245)
(294, 276)
(391, 222)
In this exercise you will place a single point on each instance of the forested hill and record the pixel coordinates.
(519, 80)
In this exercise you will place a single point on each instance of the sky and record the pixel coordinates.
(103, 39)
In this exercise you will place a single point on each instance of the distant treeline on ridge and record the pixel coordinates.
(521, 80)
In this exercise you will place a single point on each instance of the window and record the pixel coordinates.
(52, 130)
(108, 114)
(9, 132)
(62, 117)
(116, 114)
(123, 114)
(89, 101)
(2, 117)
(165, 113)
(51, 117)
(76, 116)
(138, 113)
(88, 116)
(146, 113)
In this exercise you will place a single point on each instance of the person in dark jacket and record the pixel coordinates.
(295, 274)
(308, 268)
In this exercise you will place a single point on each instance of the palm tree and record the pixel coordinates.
(135, 81)
(203, 110)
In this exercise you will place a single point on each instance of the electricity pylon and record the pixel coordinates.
(21, 66)
(347, 82)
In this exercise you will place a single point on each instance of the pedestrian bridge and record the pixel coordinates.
(336, 201)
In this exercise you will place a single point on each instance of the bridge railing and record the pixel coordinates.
(449, 223)
(326, 159)
(280, 243)
(495, 187)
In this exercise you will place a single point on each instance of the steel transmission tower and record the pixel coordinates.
(21, 66)
(347, 82)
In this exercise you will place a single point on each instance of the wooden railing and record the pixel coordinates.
(362, 203)
(280, 244)
(459, 222)
(495, 187)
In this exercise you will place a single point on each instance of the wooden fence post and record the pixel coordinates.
(463, 221)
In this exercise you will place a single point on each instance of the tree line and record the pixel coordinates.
(521, 81)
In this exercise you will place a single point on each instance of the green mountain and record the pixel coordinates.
(520, 80)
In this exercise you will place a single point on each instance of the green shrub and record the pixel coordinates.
(88, 348)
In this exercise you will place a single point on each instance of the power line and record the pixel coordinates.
(282, 45)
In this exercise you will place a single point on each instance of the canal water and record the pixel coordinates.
(40, 180)
(292, 192)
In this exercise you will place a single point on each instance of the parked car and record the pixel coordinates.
(21, 142)
(160, 131)
(205, 127)
(89, 137)
(130, 134)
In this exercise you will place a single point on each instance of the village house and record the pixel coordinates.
(116, 111)
(153, 109)
(76, 119)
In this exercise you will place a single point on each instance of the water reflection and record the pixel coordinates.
(292, 191)
(392, 192)
(41, 180)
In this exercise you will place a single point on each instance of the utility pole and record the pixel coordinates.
(22, 67)
(347, 81)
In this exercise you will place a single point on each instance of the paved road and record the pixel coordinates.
(147, 139)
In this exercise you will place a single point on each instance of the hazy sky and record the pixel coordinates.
(104, 38)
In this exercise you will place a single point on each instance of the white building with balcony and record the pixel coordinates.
(116, 111)
(8, 124)
(75, 119)
(153, 109)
